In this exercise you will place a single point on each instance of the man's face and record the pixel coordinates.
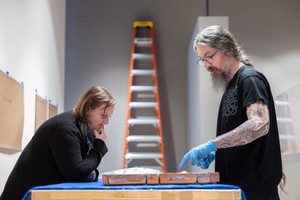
(214, 61)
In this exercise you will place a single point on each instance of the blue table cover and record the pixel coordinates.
(99, 186)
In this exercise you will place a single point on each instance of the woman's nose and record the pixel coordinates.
(106, 121)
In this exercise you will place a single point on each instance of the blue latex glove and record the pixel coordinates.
(196, 153)
(205, 162)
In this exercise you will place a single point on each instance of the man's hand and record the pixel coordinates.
(196, 153)
(205, 162)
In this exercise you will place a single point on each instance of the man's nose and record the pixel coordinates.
(206, 65)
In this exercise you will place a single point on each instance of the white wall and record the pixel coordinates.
(291, 165)
(32, 49)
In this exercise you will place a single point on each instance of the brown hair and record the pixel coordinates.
(95, 97)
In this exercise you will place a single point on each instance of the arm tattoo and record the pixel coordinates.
(255, 127)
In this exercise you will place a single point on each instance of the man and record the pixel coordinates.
(247, 144)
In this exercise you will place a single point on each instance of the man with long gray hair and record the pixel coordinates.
(247, 148)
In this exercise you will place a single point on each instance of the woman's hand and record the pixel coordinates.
(100, 134)
(91, 177)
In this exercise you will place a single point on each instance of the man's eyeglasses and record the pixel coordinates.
(207, 59)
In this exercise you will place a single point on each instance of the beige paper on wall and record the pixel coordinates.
(40, 111)
(11, 113)
(52, 110)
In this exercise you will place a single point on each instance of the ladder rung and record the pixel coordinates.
(146, 95)
(143, 42)
(142, 104)
(143, 155)
(153, 121)
(142, 88)
(281, 119)
(143, 138)
(287, 137)
(142, 56)
(142, 72)
(282, 103)
(147, 145)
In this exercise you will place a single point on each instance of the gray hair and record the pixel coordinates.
(221, 39)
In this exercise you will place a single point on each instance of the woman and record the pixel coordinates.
(65, 148)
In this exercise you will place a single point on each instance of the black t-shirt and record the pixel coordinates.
(255, 167)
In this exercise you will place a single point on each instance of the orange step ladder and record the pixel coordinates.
(143, 146)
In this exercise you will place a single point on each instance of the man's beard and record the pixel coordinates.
(219, 81)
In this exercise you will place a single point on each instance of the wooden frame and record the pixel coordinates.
(183, 194)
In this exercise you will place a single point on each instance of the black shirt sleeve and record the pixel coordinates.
(254, 89)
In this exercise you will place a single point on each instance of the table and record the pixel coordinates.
(98, 191)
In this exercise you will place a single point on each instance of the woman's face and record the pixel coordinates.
(99, 117)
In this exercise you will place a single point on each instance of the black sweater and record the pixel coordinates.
(57, 153)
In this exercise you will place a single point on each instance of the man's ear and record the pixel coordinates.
(228, 53)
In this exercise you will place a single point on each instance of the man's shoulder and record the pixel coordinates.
(249, 71)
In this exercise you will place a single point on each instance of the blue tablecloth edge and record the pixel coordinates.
(99, 186)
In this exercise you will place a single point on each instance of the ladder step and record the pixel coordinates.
(282, 103)
(143, 42)
(146, 95)
(287, 137)
(147, 145)
(281, 119)
(142, 104)
(143, 89)
(143, 155)
(153, 121)
(143, 138)
(142, 72)
(143, 56)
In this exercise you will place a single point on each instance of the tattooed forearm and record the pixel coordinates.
(256, 126)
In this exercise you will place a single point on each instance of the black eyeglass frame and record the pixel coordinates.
(208, 59)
